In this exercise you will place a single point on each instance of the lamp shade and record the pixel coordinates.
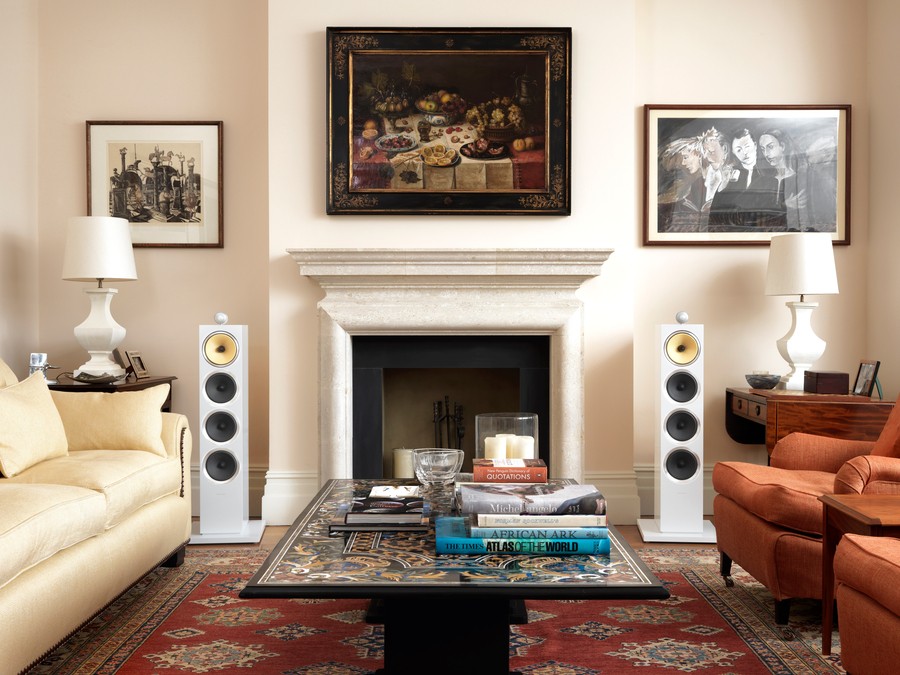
(98, 247)
(801, 263)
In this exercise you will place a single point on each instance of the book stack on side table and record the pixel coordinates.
(554, 518)
(383, 508)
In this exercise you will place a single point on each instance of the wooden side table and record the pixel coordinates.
(768, 415)
(127, 385)
(873, 515)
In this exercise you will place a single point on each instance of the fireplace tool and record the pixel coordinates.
(449, 421)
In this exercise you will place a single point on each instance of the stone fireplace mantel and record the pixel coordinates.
(462, 291)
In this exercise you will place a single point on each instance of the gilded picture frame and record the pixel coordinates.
(448, 121)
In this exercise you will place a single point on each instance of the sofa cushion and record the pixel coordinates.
(888, 443)
(36, 521)
(783, 497)
(30, 427)
(128, 479)
(124, 420)
(871, 565)
(7, 376)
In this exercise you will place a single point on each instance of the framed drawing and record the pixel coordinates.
(865, 377)
(165, 178)
(448, 121)
(717, 175)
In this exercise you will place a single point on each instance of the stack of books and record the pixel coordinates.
(383, 508)
(554, 518)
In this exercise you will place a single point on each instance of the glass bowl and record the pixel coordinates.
(437, 466)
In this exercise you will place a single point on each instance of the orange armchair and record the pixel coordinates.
(769, 519)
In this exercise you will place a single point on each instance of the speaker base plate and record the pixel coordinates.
(650, 532)
(251, 532)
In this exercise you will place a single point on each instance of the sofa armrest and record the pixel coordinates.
(176, 436)
(869, 474)
(810, 452)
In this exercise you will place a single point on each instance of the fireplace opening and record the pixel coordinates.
(398, 379)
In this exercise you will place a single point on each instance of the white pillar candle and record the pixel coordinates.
(403, 463)
(495, 447)
(520, 447)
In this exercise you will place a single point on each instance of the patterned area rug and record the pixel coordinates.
(190, 620)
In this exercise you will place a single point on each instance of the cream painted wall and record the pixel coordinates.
(200, 60)
(883, 271)
(626, 54)
(19, 191)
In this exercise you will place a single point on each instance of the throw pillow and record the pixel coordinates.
(123, 420)
(7, 376)
(888, 443)
(30, 427)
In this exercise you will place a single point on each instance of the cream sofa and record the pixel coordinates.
(94, 493)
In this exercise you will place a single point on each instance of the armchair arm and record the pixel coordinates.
(176, 436)
(869, 474)
(810, 452)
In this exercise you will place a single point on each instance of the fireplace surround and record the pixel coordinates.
(491, 292)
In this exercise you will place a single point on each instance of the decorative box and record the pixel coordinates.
(826, 382)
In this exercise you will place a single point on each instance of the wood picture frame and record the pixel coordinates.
(136, 361)
(448, 121)
(737, 175)
(865, 377)
(165, 178)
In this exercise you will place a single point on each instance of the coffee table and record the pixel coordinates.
(441, 614)
(873, 515)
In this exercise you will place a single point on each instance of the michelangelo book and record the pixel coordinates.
(509, 470)
(452, 536)
(512, 498)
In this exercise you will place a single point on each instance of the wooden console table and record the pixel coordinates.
(127, 385)
(766, 415)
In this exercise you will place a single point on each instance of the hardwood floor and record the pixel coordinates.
(273, 534)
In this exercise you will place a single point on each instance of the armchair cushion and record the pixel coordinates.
(125, 420)
(779, 496)
(871, 565)
(816, 453)
(869, 474)
(30, 427)
(888, 443)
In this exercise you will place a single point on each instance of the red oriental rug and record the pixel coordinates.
(191, 620)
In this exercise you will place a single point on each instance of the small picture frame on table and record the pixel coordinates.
(865, 377)
(137, 365)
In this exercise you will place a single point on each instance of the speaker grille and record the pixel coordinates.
(221, 426)
(682, 425)
(221, 465)
(681, 464)
(682, 348)
(681, 387)
(220, 349)
(221, 388)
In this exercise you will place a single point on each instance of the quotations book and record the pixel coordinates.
(516, 498)
(485, 470)
(538, 520)
(387, 504)
(452, 536)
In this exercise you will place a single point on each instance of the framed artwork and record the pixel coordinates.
(448, 121)
(137, 364)
(865, 378)
(165, 178)
(726, 175)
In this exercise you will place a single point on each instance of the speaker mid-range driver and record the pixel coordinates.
(681, 425)
(220, 387)
(682, 348)
(681, 464)
(681, 387)
(221, 426)
(220, 349)
(221, 465)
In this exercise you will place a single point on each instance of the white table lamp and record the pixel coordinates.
(801, 264)
(98, 248)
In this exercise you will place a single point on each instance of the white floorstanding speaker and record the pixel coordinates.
(223, 438)
(678, 479)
